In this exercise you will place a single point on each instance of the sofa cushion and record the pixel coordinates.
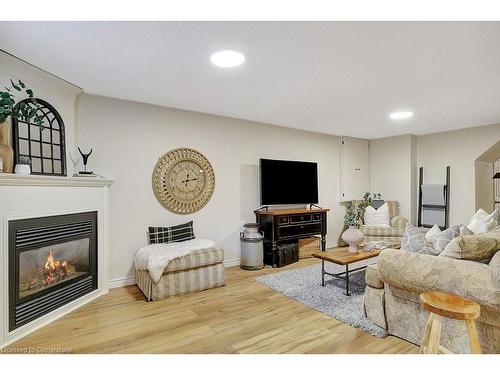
(176, 233)
(478, 247)
(371, 277)
(414, 240)
(197, 258)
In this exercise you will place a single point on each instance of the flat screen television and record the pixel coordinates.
(288, 182)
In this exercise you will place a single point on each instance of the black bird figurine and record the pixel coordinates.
(85, 158)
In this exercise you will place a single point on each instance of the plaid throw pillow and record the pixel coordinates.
(177, 233)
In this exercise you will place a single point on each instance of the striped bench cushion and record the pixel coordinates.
(176, 233)
(181, 282)
(197, 258)
(372, 230)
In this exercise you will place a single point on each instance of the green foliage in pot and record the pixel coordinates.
(354, 213)
(21, 110)
(351, 216)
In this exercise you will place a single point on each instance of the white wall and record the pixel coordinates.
(128, 138)
(60, 94)
(355, 168)
(458, 149)
(392, 171)
(483, 171)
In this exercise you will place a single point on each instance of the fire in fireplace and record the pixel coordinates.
(52, 261)
(47, 266)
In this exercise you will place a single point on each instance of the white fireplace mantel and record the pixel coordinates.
(32, 196)
(10, 179)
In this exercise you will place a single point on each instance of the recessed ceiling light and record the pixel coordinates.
(401, 115)
(227, 58)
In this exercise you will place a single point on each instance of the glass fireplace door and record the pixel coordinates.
(48, 266)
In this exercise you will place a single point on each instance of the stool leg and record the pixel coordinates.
(473, 337)
(435, 335)
(425, 340)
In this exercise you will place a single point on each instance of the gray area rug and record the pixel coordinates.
(304, 285)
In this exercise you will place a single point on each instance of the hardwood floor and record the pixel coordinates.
(242, 317)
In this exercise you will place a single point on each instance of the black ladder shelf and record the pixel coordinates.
(445, 207)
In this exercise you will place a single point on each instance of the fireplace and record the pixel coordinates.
(52, 261)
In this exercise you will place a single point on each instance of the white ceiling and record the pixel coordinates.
(332, 77)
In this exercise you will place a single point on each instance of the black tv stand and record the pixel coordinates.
(281, 226)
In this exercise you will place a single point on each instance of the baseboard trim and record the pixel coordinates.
(121, 281)
(231, 262)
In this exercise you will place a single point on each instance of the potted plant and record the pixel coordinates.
(352, 236)
(23, 166)
(20, 110)
(353, 218)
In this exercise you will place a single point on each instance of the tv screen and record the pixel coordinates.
(288, 182)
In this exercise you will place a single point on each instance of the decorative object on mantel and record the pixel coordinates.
(23, 166)
(44, 145)
(85, 158)
(183, 181)
(10, 109)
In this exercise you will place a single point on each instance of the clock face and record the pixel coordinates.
(183, 180)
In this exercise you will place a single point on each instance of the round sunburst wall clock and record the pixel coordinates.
(183, 180)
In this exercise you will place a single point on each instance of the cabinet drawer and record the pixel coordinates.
(282, 220)
(299, 230)
(317, 217)
(301, 218)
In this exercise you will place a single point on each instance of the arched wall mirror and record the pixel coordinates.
(43, 145)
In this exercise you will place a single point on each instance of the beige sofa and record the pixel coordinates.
(394, 284)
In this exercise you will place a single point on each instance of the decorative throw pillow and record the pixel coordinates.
(442, 239)
(477, 247)
(414, 240)
(432, 233)
(377, 217)
(483, 222)
(176, 233)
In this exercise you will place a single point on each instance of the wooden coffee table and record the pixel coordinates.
(343, 257)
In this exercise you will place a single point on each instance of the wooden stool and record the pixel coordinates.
(451, 306)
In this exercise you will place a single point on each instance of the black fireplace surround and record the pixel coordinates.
(52, 261)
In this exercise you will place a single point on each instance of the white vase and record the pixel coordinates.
(353, 236)
(23, 169)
